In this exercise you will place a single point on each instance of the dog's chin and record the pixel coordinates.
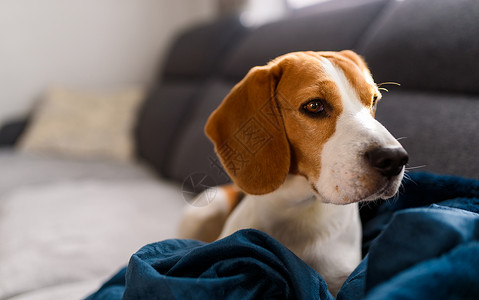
(385, 190)
(381, 189)
(392, 188)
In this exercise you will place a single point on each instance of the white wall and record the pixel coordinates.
(85, 44)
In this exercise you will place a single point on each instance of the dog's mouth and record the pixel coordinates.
(381, 188)
(385, 190)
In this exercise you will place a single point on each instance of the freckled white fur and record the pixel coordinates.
(342, 161)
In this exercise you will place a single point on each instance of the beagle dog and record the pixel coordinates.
(299, 140)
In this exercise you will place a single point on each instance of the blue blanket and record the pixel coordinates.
(423, 244)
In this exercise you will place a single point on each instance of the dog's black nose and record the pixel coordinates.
(387, 160)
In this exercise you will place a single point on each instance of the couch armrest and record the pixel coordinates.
(11, 131)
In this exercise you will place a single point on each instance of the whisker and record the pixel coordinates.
(401, 189)
(415, 167)
(397, 195)
(383, 89)
(401, 138)
(389, 82)
(408, 178)
(365, 205)
(393, 199)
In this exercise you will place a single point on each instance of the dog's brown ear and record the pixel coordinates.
(356, 58)
(248, 133)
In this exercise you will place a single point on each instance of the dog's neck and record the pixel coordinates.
(295, 210)
(325, 236)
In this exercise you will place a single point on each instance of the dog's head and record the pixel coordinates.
(308, 113)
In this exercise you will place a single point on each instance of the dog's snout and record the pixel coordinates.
(389, 161)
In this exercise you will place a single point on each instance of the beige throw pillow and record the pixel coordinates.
(84, 124)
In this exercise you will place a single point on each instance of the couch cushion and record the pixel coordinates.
(440, 130)
(11, 131)
(192, 60)
(194, 152)
(72, 231)
(426, 44)
(84, 124)
(197, 51)
(166, 110)
(331, 27)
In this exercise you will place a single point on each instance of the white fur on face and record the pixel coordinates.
(345, 175)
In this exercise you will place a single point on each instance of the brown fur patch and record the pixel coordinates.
(248, 133)
(355, 68)
(233, 196)
(304, 79)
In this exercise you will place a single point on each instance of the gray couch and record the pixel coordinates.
(430, 47)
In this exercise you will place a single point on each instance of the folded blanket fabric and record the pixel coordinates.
(420, 190)
(417, 250)
(246, 265)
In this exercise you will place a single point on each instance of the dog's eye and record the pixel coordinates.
(314, 106)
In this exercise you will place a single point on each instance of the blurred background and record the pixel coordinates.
(92, 43)
(100, 43)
